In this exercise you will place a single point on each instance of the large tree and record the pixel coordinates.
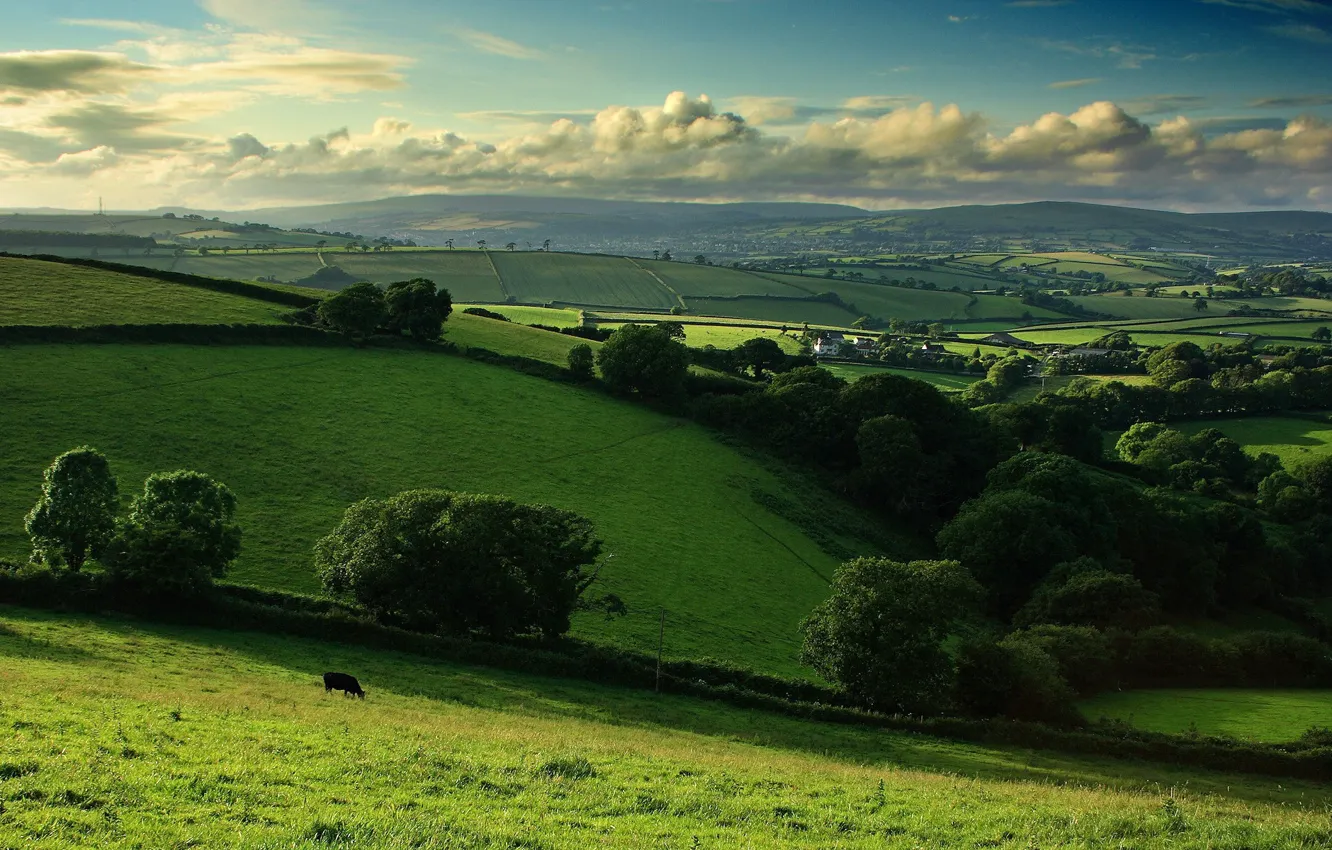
(76, 513)
(449, 562)
(180, 535)
(645, 360)
(880, 635)
(355, 311)
(417, 307)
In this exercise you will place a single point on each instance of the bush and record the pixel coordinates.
(581, 363)
(76, 513)
(1013, 678)
(355, 311)
(1091, 597)
(445, 562)
(486, 314)
(180, 535)
(880, 635)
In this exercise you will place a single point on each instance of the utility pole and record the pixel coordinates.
(661, 644)
(100, 209)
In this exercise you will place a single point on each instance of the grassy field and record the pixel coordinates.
(689, 279)
(541, 278)
(301, 433)
(1259, 715)
(512, 338)
(128, 735)
(942, 380)
(1139, 306)
(33, 292)
(554, 317)
(1291, 438)
(776, 310)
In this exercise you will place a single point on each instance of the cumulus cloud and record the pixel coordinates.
(688, 148)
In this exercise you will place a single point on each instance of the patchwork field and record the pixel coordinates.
(33, 292)
(777, 310)
(1258, 715)
(117, 741)
(301, 433)
(580, 279)
(553, 317)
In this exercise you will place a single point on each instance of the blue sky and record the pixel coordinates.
(220, 99)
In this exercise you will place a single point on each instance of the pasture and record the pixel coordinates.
(553, 317)
(1257, 715)
(1291, 438)
(33, 292)
(125, 734)
(947, 381)
(300, 433)
(583, 279)
(512, 338)
(774, 310)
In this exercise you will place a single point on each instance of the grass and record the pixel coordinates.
(690, 279)
(1139, 306)
(550, 316)
(126, 735)
(541, 278)
(942, 380)
(1291, 438)
(1259, 715)
(789, 312)
(299, 434)
(512, 338)
(33, 292)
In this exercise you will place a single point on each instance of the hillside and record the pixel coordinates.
(33, 292)
(727, 544)
(124, 734)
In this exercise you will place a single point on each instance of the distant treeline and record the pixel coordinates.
(64, 239)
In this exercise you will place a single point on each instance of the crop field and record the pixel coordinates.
(33, 292)
(963, 277)
(554, 317)
(943, 380)
(286, 429)
(467, 275)
(1258, 715)
(541, 278)
(1291, 438)
(690, 279)
(117, 742)
(775, 310)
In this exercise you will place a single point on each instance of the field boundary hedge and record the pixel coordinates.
(244, 609)
(231, 287)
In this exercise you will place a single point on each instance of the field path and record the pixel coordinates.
(665, 285)
(499, 278)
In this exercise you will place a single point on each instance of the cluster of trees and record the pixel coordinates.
(177, 537)
(455, 563)
(60, 239)
(413, 306)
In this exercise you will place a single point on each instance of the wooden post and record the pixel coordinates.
(661, 643)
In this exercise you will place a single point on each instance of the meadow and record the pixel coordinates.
(300, 433)
(943, 380)
(33, 292)
(1257, 715)
(1292, 438)
(554, 317)
(541, 278)
(124, 735)
(512, 338)
(775, 310)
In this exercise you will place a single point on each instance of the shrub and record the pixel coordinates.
(581, 362)
(448, 562)
(1013, 678)
(75, 515)
(180, 534)
(880, 635)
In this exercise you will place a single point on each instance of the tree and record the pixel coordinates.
(880, 635)
(416, 307)
(75, 515)
(452, 563)
(449, 243)
(644, 360)
(545, 245)
(511, 246)
(1199, 304)
(355, 311)
(581, 362)
(761, 354)
(180, 535)
(1321, 334)
(666, 255)
(700, 259)
(481, 243)
(656, 254)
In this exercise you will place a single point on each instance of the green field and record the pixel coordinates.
(129, 735)
(775, 310)
(690, 279)
(1258, 715)
(1291, 438)
(943, 380)
(33, 292)
(1139, 306)
(512, 338)
(301, 433)
(553, 317)
(596, 281)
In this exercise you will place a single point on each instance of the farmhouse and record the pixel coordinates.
(932, 350)
(828, 344)
(1006, 339)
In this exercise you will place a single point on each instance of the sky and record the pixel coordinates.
(242, 104)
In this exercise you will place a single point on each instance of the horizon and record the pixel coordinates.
(1198, 106)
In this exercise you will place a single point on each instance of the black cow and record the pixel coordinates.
(343, 682)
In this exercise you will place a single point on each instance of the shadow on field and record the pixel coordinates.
(405, 679)
(15, 645)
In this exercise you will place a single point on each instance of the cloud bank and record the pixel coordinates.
(77, 132)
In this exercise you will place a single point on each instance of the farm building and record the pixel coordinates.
(828, 344)
(1006, 339)
(1236, 334)
(932, 350)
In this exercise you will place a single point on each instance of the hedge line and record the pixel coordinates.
(245, 609)
(233, 287)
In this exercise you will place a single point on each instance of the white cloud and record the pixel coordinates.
(490, 43)
(294, 16)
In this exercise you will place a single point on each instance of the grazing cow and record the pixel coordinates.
(343, 682)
